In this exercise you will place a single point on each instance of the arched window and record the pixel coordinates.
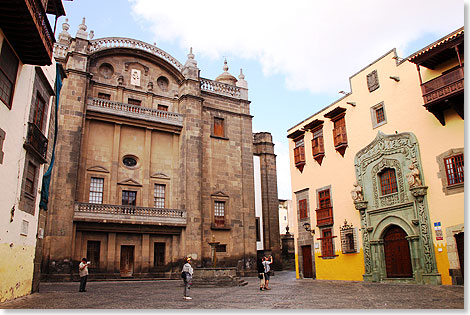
(388, 181)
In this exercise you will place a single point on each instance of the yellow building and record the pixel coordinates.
(377, 176)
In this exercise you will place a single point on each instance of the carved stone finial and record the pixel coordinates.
(64, 36)
(91, 35)
(241, 76)
(225, 68)
(66, 25)
(81, 33)
(191, 62)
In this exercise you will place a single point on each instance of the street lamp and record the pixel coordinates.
(308, 229)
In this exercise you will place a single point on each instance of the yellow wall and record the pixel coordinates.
(443, 263)
(343, 267)
(16, 271)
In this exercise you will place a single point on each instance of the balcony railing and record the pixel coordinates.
(443, 86)
(220, 88)
(128, 214)
(134, 111)
(324, 216)
(36, 142)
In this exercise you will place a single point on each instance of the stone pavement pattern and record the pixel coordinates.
(286, 293)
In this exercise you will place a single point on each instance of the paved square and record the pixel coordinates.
(286, 293)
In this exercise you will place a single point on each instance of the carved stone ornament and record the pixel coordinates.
(360, 205)
(413, 176)
(356, 193)
(373, 81)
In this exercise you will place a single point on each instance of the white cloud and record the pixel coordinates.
(316, 45)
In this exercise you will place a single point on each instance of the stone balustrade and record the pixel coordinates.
(60, 50)
(134, 111)
(220, 88)
(119, 42)
(128, 214)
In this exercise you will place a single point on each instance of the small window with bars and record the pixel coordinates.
(303, 213)
(159, 196)
(219, 213)
(96, 190)
(219, 127)
(348, 238)
(378, 116)
(454, 169)
(388, 181)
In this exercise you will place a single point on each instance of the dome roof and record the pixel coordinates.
(226, 77)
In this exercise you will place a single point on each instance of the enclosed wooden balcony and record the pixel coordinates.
(36, 142)
(324, 216)
(91, 212)
(25, 25)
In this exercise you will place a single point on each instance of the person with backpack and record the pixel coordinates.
(261, 273)
(187, 275)
(267, 270)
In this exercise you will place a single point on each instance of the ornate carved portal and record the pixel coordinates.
(398, 201)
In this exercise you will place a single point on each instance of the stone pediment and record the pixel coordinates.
(160, 176)
(219, 194)
(99, 169)
(130, 182)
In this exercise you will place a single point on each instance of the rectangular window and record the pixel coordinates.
(39, 112)
(30, 178)
(96, 190)
(299, 151)
(379, 114)
(324, 199)
(104, 96)
(129, 198)
(162, 107)
(317, 142)
(348, 240)
(159, 254)
(133, 101)
(24, 228)
(219, 213)
(258, 229)
(339, 132)
(327, 249)
(8, 71)
(221, 248)
(303, 213)
(454, 169)
(93, 253)
(159, 196)
(388, 182)
(219, 127)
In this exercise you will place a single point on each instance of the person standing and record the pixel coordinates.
(267, 270)
(261, 273)
(188, 276)
(83, 271)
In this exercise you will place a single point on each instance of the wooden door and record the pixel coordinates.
(307, 261)
(397, 253)
(459, 238)
(127, 260)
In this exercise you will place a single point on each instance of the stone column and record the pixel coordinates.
(413, 241)
(361, 206)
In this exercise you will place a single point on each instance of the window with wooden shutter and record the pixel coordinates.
(299, 153)
(318, 149)
(93, 253)
(8, 71)
(303, 213)
(324, 212)
(454, 169)
(219, 129)
(39, 110)
(327, 244)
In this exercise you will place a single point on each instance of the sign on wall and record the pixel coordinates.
(438, 230)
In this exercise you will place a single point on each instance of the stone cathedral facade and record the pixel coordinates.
(153, 163)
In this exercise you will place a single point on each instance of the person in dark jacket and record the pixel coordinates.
(261, 273)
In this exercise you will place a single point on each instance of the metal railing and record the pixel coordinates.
(36, 141)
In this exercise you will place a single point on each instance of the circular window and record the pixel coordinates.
(129, 161)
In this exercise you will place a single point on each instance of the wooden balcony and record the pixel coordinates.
(324, 216)
(90, 212)
(134, 112)
(299, 157)
(443, 92)
(318, 150)
(36, 142)
(25, 25)
(340, 139)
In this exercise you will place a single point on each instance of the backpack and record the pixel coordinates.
(183, 275)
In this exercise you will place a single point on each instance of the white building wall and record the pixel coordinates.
(258, 200)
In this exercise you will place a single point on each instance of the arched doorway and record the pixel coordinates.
(397, 253)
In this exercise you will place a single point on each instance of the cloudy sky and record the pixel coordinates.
(295, 57)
